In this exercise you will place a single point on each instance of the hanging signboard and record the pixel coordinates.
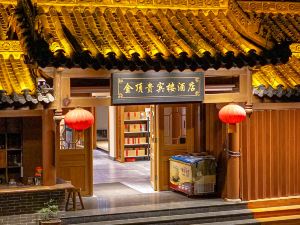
(157, 87)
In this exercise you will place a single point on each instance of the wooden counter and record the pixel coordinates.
(33, 188)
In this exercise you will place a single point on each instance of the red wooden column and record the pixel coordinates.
(233, 164)
(58, 112)
(49, 171)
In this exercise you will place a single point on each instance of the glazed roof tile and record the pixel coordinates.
(18, 85)
(280, 80)
(130, 38)
(280, 26)
(17, 80)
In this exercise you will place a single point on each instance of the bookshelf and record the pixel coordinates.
(134, 133)
(11, 149)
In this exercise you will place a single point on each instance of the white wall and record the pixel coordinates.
(112, 131)
(102, 117)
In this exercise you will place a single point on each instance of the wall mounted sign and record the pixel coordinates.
(157, 87)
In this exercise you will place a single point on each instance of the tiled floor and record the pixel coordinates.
(102, 145)
(135, 175)
(119, 185)
(125, 184)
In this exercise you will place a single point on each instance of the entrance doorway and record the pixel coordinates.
(112, 176)
(130, 163)
(134, 144)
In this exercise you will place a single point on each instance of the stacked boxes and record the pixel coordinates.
(135, 139)
(134, 152)
(135, 116)
(135, 127)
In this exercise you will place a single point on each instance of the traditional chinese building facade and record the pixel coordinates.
(248, 52)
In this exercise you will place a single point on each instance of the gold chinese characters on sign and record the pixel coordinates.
(161, 87)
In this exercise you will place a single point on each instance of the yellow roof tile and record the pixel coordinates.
(282, 79)
(145, 38)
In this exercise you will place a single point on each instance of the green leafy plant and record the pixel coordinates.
(49, 211)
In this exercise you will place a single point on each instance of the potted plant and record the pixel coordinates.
(48, 214)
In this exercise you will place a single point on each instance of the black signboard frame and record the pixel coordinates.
(157, 87)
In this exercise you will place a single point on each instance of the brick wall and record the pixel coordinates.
(23, 219)
(29, 202)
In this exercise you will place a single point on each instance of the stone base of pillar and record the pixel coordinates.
(232, 200)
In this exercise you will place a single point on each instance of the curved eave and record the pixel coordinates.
(278, 81)
(18, 85)
(148, 39)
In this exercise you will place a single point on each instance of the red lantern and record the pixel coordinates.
(79, 119)
(232, 113)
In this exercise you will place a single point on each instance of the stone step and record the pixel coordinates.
(264, 203)
(159, 210)
(280, 220)
(276, 211)
(208, 217)
(233, 222)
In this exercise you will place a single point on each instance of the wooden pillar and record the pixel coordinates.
(94, 128)
(49, 170)
(249, 103)
(233, 164)
(58, 112)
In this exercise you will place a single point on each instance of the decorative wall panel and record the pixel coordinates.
(270, 154)
(215, 142)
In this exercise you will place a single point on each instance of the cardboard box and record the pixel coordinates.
(134, 127)
(143, 115)
(126, 116)
(130, 141)
(134, 115)
(126, 128)
(140, 152)
(131, 115)
(137, 115)
(137, 140)
(130, 152)
(142, 140)
(130, 127)
(143, 127)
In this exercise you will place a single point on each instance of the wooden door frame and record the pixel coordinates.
(189, 147)
(88, 156)
(153, 152)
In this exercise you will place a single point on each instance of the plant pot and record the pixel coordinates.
(50, 222)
